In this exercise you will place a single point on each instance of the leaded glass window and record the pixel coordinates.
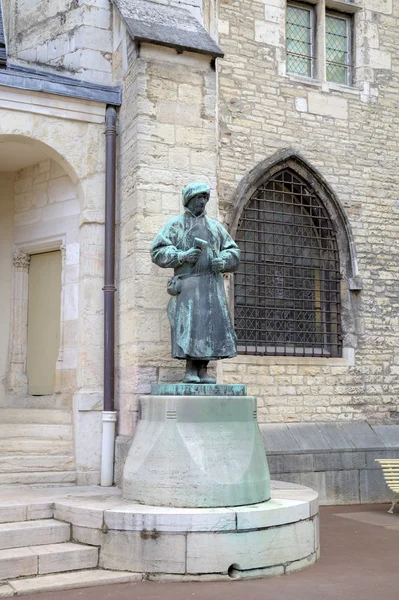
(287, 288)
(299, 31)
(338, 54)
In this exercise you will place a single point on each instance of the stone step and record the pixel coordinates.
(35, 446)
(33, 533)
(37, 430)
(55, 558)
(17, 562)
(59, 478)
(19, 510)
(28, 463)
(30, 416)
(52, 402)
(51, 558)
(66, 581)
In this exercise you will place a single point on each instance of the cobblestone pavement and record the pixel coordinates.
(360, 558)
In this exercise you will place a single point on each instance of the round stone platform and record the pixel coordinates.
(261, 540)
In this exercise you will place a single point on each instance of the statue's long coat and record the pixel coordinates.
(200, 321)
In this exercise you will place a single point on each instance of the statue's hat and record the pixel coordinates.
(193, 189)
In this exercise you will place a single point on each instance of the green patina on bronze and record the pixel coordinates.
(192, 389)
(200, 250)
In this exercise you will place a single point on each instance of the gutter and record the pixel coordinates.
(109, 413)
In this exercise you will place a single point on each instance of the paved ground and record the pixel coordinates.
(360, 561)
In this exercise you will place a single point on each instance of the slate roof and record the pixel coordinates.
(25, 78)
(165, 25)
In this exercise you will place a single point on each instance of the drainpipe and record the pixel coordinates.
(109, 413)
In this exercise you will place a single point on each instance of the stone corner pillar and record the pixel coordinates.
(87, 416)
(17, 381)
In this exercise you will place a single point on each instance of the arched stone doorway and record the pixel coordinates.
(40, 223)
(51, 249)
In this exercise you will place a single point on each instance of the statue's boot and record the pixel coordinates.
(203, 373)
(191, 375)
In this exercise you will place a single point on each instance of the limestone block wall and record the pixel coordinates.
(336, 459)
(46, 217)
(71, 133)
(350, 135)
(6, 246)
(167, 139)
(71, 36)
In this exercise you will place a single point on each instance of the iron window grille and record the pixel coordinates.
(3, 50)
(287, 288)
(300, 27)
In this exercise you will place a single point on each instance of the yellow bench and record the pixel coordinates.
(390, 468)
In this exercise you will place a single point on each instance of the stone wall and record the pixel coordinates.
(168, 138)
(336, 459)
(71, 133)
(167, 126)
(46, 217)
(72, 37)
(6, 246)
(350, 136)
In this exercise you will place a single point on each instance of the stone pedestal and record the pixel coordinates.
(197, 450)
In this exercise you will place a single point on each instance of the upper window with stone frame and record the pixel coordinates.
(319, 42)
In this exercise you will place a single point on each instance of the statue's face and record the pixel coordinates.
(196, 204)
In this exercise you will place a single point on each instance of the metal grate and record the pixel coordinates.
(287, 288)
(299, 32)
(338, 55)
(3, 52)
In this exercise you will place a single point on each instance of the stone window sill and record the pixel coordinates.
(323, 86)
(347, 360)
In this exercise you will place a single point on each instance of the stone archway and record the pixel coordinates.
(293, 160)
(55, 183)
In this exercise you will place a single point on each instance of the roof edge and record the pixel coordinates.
(40, 81)
(166, 25)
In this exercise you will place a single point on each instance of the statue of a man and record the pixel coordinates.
(199, 250)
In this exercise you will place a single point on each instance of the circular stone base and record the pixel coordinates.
(164, 543)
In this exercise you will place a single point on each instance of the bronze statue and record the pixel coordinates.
(199, 249)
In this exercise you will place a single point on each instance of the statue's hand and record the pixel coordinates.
(217, 265)
(191, 256)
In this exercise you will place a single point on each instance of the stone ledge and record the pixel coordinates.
(305, 438)
(288, 504)
(67, 581)
(242, 359)
(197, 389)
(338, 460)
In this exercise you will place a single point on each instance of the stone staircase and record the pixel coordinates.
(36, 447)
(37, 554)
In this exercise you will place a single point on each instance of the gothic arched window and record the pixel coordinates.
(287, 289)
